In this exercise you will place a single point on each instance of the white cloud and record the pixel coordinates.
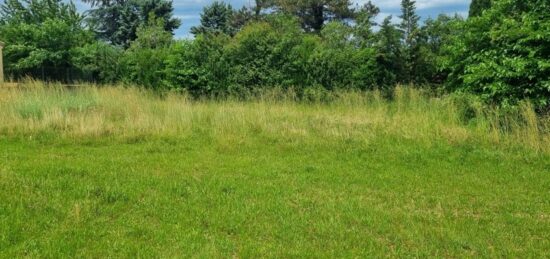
(420, 4)
(188, 16)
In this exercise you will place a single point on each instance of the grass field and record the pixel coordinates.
(122, 172)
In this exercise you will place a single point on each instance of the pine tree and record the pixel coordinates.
(117, 21)
(364, 23)
(410, 35)
(389, 58)
(409, 22)
(215, 18)
(314, 13)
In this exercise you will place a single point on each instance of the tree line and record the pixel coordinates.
(501, 52)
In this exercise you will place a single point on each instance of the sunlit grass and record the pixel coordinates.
(87, 111)
(124, 172)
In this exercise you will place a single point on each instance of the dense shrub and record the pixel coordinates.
(98, 60)
(504, 54)
(40, 37)
(262, 55)
(143, 63)
(501, 54)
(197, 66)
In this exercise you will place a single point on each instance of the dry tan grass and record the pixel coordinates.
(89, 111)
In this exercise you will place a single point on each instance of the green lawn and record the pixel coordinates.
(132, 175)
(193, 196)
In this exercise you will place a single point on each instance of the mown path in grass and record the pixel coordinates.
(260, 197)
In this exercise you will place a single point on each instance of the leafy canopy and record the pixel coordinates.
(40, 34)
(117, 21)
(504, 54)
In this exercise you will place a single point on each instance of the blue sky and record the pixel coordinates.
(189, 10)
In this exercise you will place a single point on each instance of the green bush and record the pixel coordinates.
(39, 35)
(99, 60)
(264, 54)
(144, 62)
(504, 55)
(198, 66)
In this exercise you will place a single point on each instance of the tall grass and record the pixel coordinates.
(34, 108)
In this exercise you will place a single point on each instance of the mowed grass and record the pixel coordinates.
(122, 172)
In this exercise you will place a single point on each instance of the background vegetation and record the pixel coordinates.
(500, 53)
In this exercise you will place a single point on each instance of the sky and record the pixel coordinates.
(189, 10)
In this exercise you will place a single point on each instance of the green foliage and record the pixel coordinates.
(117, 21)
(261, 55)
(389, 55)
(99, 60)
(38, 11)
(314, 13)
(478, 6)
(412, 45)
(144, 67)
(184, 68)
(500, 54)
(275, 53)
(367, 73)
(152, 35)
(437, 34)
(143, 63)
(332, 64)
(216, 18)
(409, 23)
(364, 24)
(40, 34)
(503, 55)
(198, 66)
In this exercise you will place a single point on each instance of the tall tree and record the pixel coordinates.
(216, 18)
(28, 11)
(40, 36)
(478, 6)
(117, 21)
(389, 58)
(314, 13)
(409, 22)
(410, 37)
(242, 16)
(261, 5)
(364, 23)
(437, 34)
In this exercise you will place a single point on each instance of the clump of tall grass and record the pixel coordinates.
(127, 112)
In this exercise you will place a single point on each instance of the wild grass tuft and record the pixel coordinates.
(122, 112)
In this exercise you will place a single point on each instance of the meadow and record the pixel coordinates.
(118, 171)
